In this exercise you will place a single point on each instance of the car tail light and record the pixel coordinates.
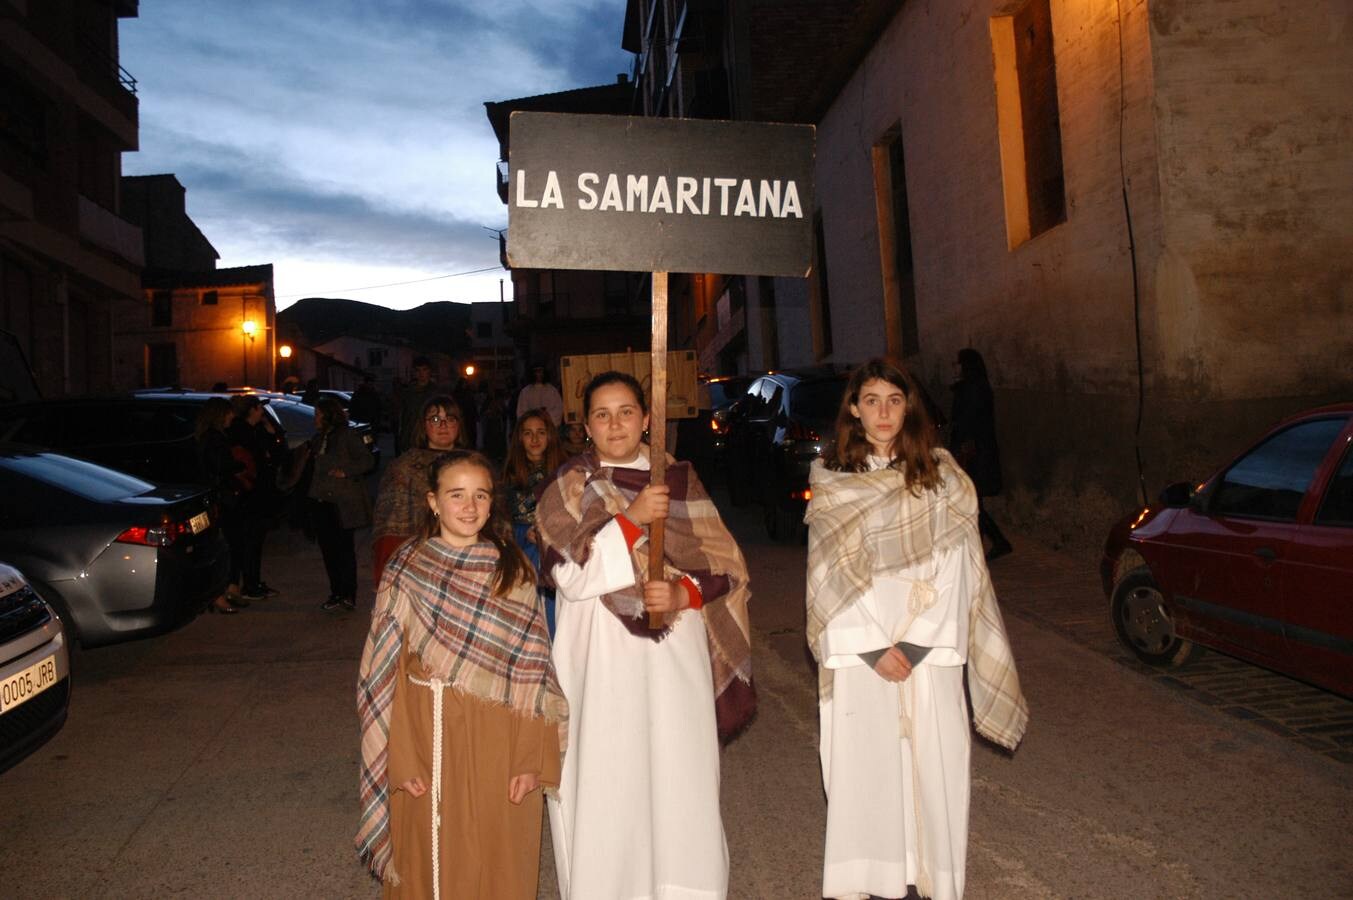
(154, 536)
(797, 431)
(805, 494)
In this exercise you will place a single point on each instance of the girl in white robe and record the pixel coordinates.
(637, 811)
(895, 574)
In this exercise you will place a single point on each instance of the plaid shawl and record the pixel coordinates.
(866, 524)
(437, 602)
(585, 495)
(401, 502)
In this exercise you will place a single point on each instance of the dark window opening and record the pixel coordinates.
(211, 298)
(162, 309)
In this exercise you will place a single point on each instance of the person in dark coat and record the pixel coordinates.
(339, 503)
(972, 440)
(366, 404)
(257, 448)
(218, 468)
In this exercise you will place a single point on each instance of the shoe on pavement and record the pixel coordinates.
(331, 604)
(267, 590)
(253, 593)
(349, 603)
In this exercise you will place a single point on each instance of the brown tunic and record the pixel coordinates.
(489, 848)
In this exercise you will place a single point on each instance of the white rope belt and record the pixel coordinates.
(438, 687)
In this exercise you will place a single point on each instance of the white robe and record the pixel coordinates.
(637, 815)
(897, 805)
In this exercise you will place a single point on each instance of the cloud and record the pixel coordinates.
(350, 130)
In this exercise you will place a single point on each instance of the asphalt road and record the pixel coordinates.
(221, 761)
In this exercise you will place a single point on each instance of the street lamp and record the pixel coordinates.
(284, 351)
(469, 370)
(250, 329)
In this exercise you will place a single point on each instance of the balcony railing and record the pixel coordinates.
(101, 60)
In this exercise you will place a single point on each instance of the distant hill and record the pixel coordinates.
(441, 327)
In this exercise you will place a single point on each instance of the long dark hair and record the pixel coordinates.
(517, 469)
(333, 413)
(513, 566)
(448, 405)
(212, 417)
(913, 447)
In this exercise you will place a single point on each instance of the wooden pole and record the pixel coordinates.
(657, 430)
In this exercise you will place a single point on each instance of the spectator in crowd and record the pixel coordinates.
(366, 404)
(339, 504)
(218, 467)
(572, 440)
(972, 440)
(409, 403)
(532, 458)
(311, 394)
(540, 394)
(401, 501)
(257, 448)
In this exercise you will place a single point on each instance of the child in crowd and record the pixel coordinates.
(460, 710)
(532, 457)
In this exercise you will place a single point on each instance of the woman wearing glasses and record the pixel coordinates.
(401, 501)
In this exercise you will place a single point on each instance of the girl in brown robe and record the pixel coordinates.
(461, 712)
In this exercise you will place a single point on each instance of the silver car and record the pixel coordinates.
(118, 557)
(34, 669)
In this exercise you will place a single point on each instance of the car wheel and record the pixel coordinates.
(1144, 624)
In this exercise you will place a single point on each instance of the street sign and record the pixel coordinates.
(660, 195)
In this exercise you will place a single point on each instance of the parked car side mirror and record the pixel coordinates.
(1177, 496)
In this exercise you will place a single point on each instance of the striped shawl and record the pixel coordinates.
(437, 601)
(585, 495)
(867, 524)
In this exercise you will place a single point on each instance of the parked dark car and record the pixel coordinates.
(146, 433)
(700, 440)
(118, 557)
(34, 669)
(775, 431)
(1256, 561)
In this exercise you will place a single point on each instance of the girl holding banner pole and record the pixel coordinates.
(637, 812)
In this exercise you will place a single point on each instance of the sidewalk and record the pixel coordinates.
(1062, 592)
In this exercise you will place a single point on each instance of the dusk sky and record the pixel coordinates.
(345, 141)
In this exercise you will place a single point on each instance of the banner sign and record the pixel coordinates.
(659, 195)
(682, 384)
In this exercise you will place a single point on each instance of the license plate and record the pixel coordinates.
(23, 686)
(199, 523)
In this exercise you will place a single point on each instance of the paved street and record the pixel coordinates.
(220, 761)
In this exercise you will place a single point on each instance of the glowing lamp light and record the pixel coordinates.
(284, 351)
(250, 328)
(469, 370)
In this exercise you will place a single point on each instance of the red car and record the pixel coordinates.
(1257, 561)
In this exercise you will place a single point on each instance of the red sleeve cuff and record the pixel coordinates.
(693, 591)
(631, 531)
